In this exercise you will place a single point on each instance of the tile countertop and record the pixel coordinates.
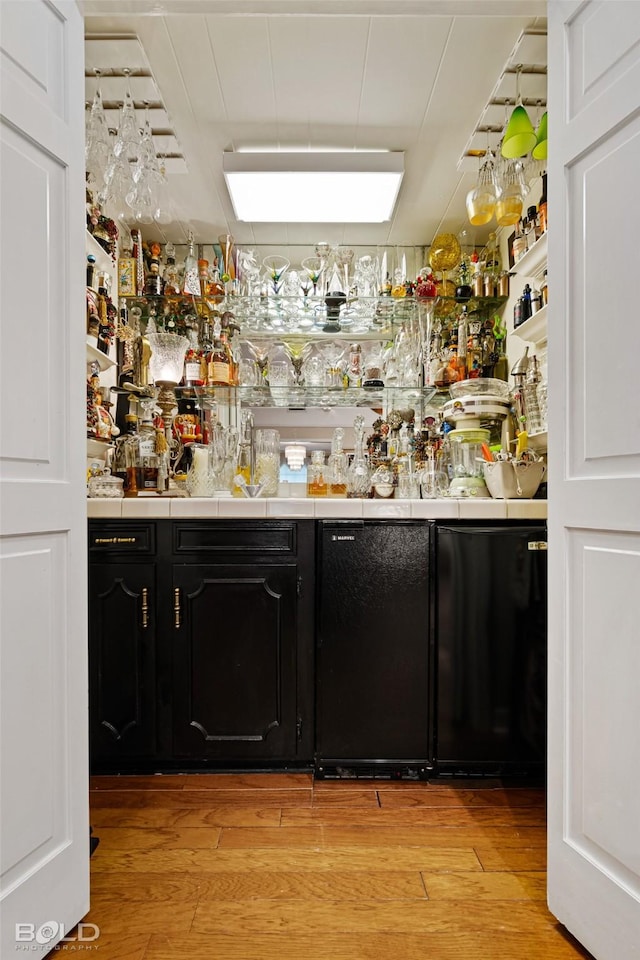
(155, 508)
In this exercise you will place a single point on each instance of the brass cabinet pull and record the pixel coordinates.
(176, 607)
(145, 608)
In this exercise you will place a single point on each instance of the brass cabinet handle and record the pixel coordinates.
(176, 607)
(145, 608)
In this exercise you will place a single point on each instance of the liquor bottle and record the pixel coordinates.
(219, 360)
(337, 465)
(193, 363)
(316, 475)
(542, 206)
(544, 292)
(191, 281)
(125, 457)
(153, 281)
(171, 276)
(532, 231)
(91, 266)
(147, 463)
(519, 245)
(354, 366)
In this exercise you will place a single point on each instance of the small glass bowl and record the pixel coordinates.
(480, 386)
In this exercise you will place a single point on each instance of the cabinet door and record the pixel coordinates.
(234, 661)
(121, 661)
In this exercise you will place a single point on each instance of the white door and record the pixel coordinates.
(594, 505)
(43, 648)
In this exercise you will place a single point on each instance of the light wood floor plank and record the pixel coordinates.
(118, 946)
(345, 798)
(550, 944)
(286, 797)
(486, 886)
(145, 888)
(252, 838)
(314, 885)
(366, 916)
(281, 859)
(322, 836)
(204, 816)
(247, 781)
(427, 816)
(160, 781)
(506, 858)
(229, 816)
(116, 918)
(424, 836)
(131, 817)
(131, 838)
(428, 797)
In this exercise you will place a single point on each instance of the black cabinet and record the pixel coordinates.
(122, 642)
(373, 647)
(234, 661)
(491, 640)
(203, 657)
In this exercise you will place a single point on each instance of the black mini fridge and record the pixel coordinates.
(491, 646)
(373, 650)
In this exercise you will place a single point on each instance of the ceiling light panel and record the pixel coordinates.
(313, 188)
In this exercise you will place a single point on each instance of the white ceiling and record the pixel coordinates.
(409, 75)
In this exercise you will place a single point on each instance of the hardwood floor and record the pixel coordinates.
(277, 866)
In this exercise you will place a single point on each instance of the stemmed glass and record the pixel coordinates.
(260, 353)
(313, 267)
(344, 259)
(297, 351)
(98, 145)
(276, 267)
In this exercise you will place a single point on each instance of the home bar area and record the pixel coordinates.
(316, 471)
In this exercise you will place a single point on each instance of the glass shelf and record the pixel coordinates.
(299, 397)
(278, 316)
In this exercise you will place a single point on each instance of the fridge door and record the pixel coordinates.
(373, 642)
(491, 640)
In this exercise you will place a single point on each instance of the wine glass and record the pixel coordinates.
(276, 267)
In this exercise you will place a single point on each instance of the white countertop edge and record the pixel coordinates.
(309, 509)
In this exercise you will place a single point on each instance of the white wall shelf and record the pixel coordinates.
(534, 261)
(103, 259)
(95, 355)
(534, 330)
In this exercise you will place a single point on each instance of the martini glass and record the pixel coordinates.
(260, 353)
(276, 267)
(313, 267)
(297, 351)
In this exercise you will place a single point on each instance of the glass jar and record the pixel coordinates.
(317, 475)
(267, 461)
(106, 486)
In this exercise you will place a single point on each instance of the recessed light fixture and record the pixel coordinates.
(313, 187)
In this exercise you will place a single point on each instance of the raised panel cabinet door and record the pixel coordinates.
(233, 641)
(121, 661)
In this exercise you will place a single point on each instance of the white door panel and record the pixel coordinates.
(43, 647)
(594, 453)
